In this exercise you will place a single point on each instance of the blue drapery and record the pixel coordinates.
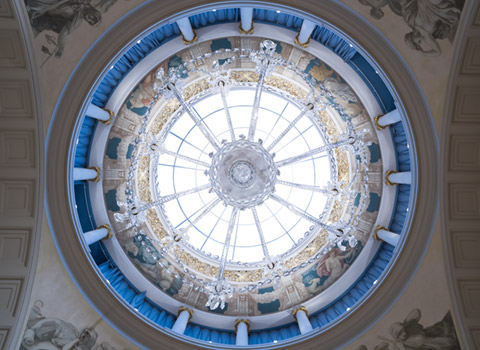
(280, 19)
(335, 43)
(373, 81)
(215, 17)
(136, 53)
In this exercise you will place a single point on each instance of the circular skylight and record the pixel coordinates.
(242, 178)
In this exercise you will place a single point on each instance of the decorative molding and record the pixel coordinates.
(3, 336)
(460, 179)
(15, 99)
(22, 178)
(109, 231)
(188, 42)
(17, 198)
(97, 169)
(471, 58)
(9, 295)
(464, 201)
(375, 233)
(5, 12)
(377, 124)
(183, 308)
(301, 308)
(476, 22)
(14, 244)
(387, 178)
(464, 153)
(242, 31)
(240, 320)
(110, 117)
(475, 333)
(304, 45)
(466, 248)
(467, 105)
(11, 52)
(470, 292)
(17, 148)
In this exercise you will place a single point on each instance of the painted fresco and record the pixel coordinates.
(429, 20)
(153, 264)
(55, 20)
(329, 268)
(410, 334)
(46, 332)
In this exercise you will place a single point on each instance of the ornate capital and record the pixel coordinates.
(301, 308)
(242, 31)
(375, 233)
(387, 179)
(377, 124)
(304, 45)
(240, 320)
(188, 42)
(97, 169)
(109, 231)
(183, 308)
(110, 117)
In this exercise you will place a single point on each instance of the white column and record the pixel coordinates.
(184, 315)
(382, 121)
(241, 328)
(381, 233)
(305, 32)
(97, 234)
(89, 174)
(186, 29)
(98, 113)
(399, 178)
(302, 319)
(246, 18)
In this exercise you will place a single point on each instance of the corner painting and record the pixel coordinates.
(411, 334)
(45, 332)
(429, 20)
(55, 20)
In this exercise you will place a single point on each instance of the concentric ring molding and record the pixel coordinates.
(420, 133)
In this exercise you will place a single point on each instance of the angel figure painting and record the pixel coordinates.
(429, 20)
(52, 333)
(56, 19)
(412, 335)
(329, 268)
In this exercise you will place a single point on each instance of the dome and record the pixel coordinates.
(241, 178)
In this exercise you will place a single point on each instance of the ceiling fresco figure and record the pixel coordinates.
(411, 335)
(52, 333)
(429, 20)
(57, 19)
